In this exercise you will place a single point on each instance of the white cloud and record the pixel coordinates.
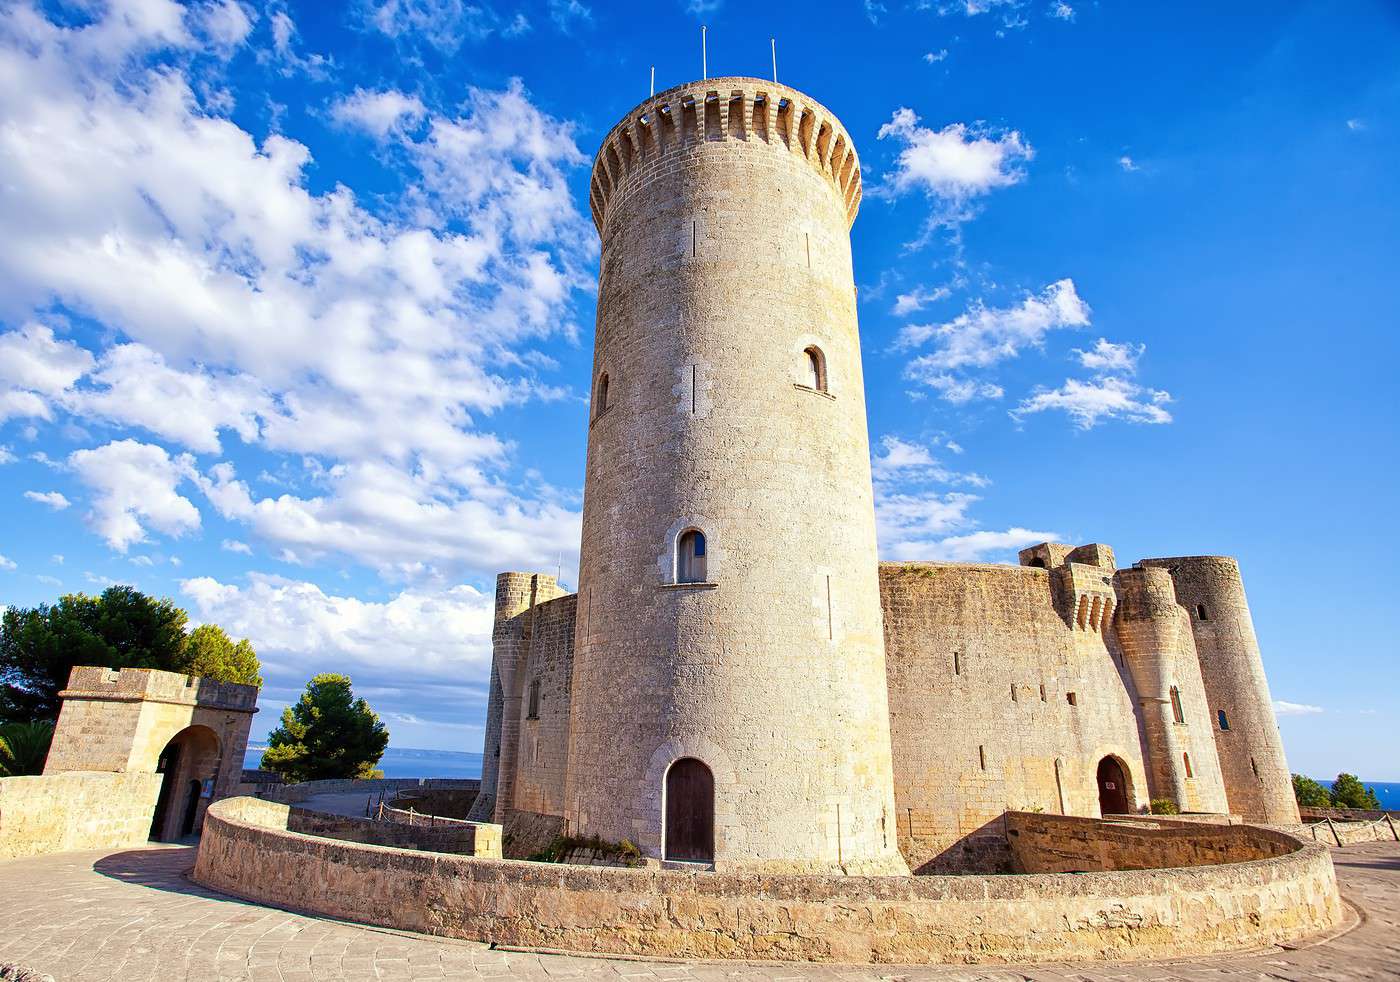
(1128, 164)
(899, 459)
(216, 276)
(982, 335)
(378, 113)
(6, 455)
(1284, 708)
(233, 545)
(1356, 124)
(226, 23)
(8, 564)
(917, 299)
(972, 8)
(295, 624)
(1061, 10)
(954, 446)
(444, 24)
(35, 367)
(56, 559)
(1089, 403)
(975, 546)
(955, 163)
(49, 580)
(134, 487)
(568, 13)
(1107, 358)
(934, 58)
(53, 499)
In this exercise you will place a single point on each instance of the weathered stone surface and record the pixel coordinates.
(77, 810)
(247, 850)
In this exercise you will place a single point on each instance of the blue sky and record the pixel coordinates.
(296, 306)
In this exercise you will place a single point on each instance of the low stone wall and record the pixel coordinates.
(248, 850)
(483, 838)
(441, 837)
(442, 802)
(1346, 814)
(75, 810)
(291, 794)
(1064, 844)
(1346, 833)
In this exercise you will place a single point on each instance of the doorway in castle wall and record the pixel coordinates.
(1113, 788)
(690, 813)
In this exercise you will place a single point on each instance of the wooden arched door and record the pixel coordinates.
(690, 812)
(1113, 788)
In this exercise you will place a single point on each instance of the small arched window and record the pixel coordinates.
(1186, 759)
(600, 401)
(1201, 612)
(1224, 722)
(1177, 714)
(1037, 563)
(690, 557)
(534, 707)
(814, 369)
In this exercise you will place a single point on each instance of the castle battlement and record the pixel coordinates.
(152, 685)
(745, 110)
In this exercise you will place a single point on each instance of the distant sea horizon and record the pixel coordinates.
(417, 762)
(405, 762)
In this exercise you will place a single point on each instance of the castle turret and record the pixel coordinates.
(729, 698)
(516, 593)
(1250, 748)
(1156, 643)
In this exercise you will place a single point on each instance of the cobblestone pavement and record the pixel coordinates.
(134, 916)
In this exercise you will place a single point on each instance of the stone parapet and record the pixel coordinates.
(248, 850)
(75, 810)
(150, 685)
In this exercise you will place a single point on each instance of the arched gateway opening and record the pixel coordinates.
(690, 813)
(1113, 788)
(188, 760)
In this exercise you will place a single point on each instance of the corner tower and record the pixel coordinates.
(1247, 738)
(729, 697)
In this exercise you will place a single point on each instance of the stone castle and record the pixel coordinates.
(739, 681)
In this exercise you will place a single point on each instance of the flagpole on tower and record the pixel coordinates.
(704, 54)
(774, 43)
(653, 80)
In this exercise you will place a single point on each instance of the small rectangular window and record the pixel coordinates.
(1013, 693)
(534, 700)
(1042, 692)
(957, 664)
(982, 757)
(1071, 698)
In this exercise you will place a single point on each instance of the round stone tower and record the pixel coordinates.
(729, 697)
(1257, 782)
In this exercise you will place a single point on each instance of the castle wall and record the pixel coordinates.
(965, 750)
(725, 254)
(544, 737)
(1156, 640)
(1255, 774)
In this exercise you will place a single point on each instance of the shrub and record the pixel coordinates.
(1349, 792)
(24, 747)
(1309, 793)
(1164, 806)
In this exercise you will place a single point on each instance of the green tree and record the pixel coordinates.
(211, 653)
(122, 628)
(1349, 792)
(1309, 793)
(327, 733)
(24, 747)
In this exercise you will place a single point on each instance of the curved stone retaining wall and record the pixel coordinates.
(1065, 844)
(248, 851)
(294, 793)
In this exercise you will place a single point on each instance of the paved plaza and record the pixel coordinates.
(134, 915)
